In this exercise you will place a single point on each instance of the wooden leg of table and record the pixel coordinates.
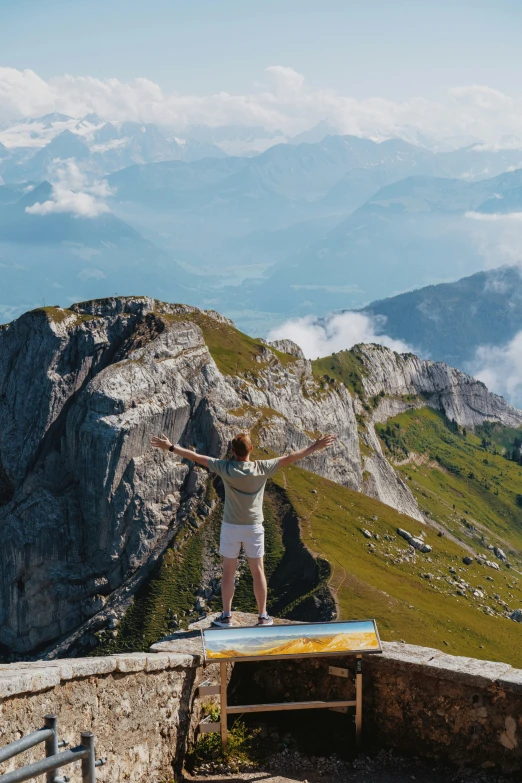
(358, 699)
(223, 706)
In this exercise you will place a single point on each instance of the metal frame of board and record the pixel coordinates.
(226, 710)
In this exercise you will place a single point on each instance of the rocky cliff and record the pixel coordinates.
(457, 395)
(87, 507)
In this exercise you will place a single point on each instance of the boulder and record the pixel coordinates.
(420, 545)
(500, 554)
(404, 534)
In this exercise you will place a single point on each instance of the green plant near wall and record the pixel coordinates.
(243, 746)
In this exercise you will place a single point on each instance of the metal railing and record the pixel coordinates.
(53, 759)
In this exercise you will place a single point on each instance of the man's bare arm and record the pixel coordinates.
(162, 442)
(320, 443)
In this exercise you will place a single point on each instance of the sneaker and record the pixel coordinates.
(264, 619)
(223, 621)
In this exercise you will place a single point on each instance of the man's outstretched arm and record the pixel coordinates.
(162, 442)
(320, 443)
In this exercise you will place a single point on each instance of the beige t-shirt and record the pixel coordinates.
(244, 488)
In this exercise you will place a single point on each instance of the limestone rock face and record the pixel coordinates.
(288, 346)
(458, 395)
(87, 506)
(382, 482)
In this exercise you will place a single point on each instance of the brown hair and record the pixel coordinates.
(241, 445)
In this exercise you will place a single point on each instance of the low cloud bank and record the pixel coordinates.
(322, 336)
(500, 368)
(498, 237)
(283, 101)
(71, 192)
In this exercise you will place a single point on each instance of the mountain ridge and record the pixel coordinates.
(450, 321)
(103, 376)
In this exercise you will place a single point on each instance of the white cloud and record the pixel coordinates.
(480, 96)
(71, 192)
(500, 368)
(322, 336)
(285, 80)
(283, 102)
(498, 237)
(495, 217)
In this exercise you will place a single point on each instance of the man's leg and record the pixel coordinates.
(258, 575)
(227, 582)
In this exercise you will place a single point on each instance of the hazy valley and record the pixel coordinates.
(317, 224)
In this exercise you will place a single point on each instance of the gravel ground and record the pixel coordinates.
(293, 767)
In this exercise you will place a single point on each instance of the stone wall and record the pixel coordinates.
(416, 700)
(425, 702)
(143, 707)
(137, 705)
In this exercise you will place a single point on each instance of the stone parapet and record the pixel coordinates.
(143, 707)
(138, 705)
(443, 706)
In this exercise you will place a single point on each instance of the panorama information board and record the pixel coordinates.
(295, 641)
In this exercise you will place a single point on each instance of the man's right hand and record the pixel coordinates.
(321, 443)
(161, 442)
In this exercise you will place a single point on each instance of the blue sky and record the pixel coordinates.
(390, 49)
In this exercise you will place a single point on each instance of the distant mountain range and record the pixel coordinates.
(280, 214)
(415, 231)
(448, 322)
(323, 223)
(47, 258)
(27, 147)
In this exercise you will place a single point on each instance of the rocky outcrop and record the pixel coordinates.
(87, 507)
(457, 395)
(382, 482)
(89, 504)
(288, 346)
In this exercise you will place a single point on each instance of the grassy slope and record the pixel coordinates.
(460, 483)
(406, 605)
(234, 352)
(172, 588)
(383, 583)
(344, 366)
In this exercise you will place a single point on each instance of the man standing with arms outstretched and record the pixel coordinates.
(244, 481)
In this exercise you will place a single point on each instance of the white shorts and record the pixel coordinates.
(251, 536)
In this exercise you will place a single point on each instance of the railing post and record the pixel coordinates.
(51, 743)
(358, 699)
(223, 704)
(88, 763)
